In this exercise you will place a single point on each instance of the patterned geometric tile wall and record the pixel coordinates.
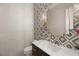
(41, 31)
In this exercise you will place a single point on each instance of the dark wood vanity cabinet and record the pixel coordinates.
(37, 51)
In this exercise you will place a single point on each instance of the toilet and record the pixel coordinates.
(28, 51)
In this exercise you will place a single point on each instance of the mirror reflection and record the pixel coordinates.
(56, 18)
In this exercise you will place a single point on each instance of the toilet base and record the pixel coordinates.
(28, 51)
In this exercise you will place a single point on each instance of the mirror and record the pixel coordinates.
(56, 18)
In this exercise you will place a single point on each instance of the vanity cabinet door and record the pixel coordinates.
(37, 51)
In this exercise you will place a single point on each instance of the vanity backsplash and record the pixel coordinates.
(41, 31)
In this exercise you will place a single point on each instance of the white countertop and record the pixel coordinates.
(54, 50)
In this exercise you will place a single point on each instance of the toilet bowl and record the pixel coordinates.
(28, 51)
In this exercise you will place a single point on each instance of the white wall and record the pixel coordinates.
(28, 24)
(56, 18)
(13, 18)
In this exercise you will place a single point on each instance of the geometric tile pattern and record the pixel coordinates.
(41, 31)
(62, 39)
(76, 41)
